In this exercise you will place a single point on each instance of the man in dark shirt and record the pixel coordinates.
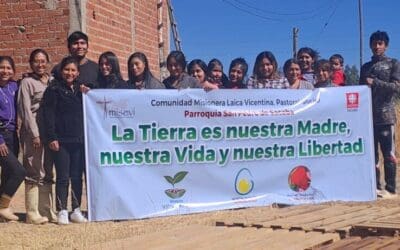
(382, 75)
(78, 44)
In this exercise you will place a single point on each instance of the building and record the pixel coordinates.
(122, 26)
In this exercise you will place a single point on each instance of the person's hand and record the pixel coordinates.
(36, 142)
(370, 81)
(3, 149)
(54, 146)
(84, 89)
(207, 86)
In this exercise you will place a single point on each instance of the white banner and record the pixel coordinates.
(166, 152)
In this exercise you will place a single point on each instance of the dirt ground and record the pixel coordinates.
(19, 235)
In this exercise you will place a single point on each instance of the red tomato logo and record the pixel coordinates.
(299, 179)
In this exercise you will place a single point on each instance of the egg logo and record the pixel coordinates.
(299, 179)
(243, 182)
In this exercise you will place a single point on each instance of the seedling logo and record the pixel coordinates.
(175, 193)
(244, 183)
(299, 179)
(352, 100)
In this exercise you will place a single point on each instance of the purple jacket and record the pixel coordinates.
(8, 108)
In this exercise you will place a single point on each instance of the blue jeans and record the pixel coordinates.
(70, 165)
(384, 137)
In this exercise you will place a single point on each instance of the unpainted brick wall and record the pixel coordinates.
(122, 26)
(27, 25)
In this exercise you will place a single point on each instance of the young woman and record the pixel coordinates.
(265, 73)
(198, 69)
(63, 118)
(292, 71)
(307, 57)
(323, 72)
(215, 74)
(237, 72)
(12, 172)
(37, 158)
(109, 72)
(178, 78)
(140, 76)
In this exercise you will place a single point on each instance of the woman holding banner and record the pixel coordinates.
(64, 131)
(292, 71)
(265, 73)
(178, 78)
(140, 76)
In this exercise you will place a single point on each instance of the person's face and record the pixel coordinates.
(306, 62)
(137, 66)
(70, 73)
(293, 73)
(335, 64)
(322, 74)
(39, 64)
(378, 48)
(216, 73)
(236, 74)
(198, 73)
(79, 48)
(6, 72)
(174, 68)
(266, 68)
(105, 67)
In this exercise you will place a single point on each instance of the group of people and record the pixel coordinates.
(49, 107)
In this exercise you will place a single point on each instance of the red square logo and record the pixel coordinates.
(352, 100)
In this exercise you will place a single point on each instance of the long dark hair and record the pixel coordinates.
(147, 75)
(198, 62)
(271, 58)
(115, 75)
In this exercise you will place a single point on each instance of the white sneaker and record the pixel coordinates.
(384, 194)
(77, 216)
(380, 193)
(62, 217)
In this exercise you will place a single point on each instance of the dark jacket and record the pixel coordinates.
(88, 74)
(386, 84)
(150, 83)
(63, 114)
(112, 82)
(185, 81)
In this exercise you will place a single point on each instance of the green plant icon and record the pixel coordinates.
(175, 193)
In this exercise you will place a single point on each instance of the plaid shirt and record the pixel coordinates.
(280, 83)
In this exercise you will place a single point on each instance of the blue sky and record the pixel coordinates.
(226, 29)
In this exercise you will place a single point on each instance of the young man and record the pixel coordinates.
(382, 75)
(78, 44)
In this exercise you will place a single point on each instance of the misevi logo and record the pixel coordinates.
(115, 111)
(352, 100)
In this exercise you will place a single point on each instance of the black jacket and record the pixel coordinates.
(63, 113)
(386, 85)
(112, 82)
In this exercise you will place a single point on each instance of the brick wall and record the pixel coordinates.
(122, 26)
(27, 25)
(109, 27)
(146, 33)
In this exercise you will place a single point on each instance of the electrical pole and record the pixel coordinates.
(295, 36)
(360, 16)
